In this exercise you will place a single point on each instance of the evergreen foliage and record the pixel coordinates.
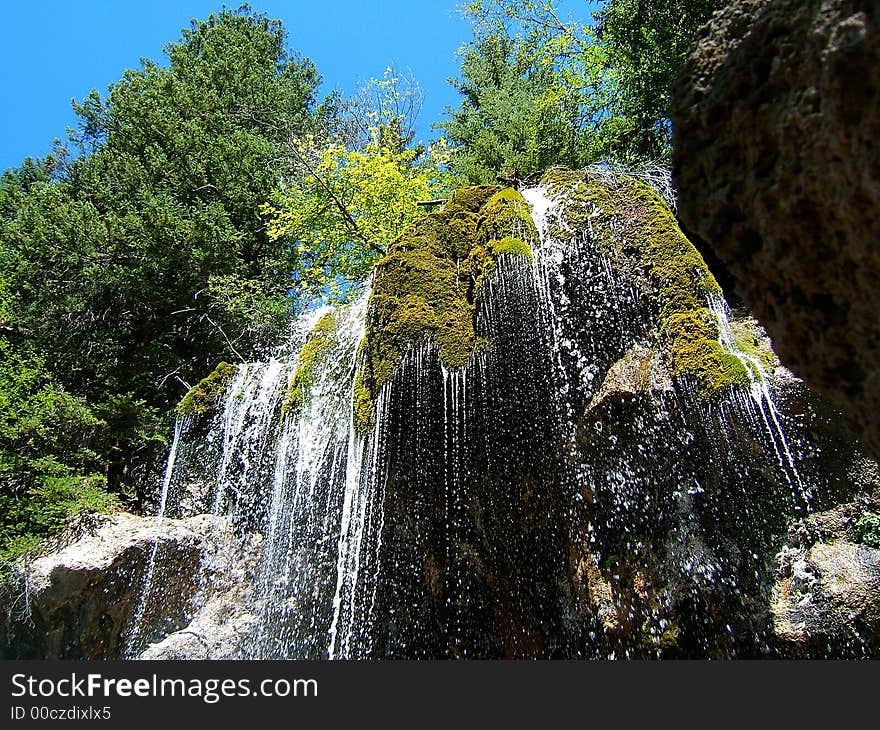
(540, 90)
(136, 259)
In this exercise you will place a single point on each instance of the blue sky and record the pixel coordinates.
(55, 50)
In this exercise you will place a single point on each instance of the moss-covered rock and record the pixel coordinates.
(204, 396)
(751, 340)
(692, 337)
(590, 206)
(627, 218)
(470, 199)
(684, 284)
(507, 215)
(313, 352)
(425, 288)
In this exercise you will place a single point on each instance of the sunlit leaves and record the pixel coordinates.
(540, 88)
(354, 191)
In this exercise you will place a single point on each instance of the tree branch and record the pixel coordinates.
(343, 210)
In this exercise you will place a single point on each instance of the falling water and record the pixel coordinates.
(134, 636)
(456, 526)
(759, 391)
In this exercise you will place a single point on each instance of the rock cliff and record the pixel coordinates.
(775, 121)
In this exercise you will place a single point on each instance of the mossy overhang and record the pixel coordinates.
(204, 396)
(621, 210)
(425, 288)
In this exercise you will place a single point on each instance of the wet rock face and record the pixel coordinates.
(684, 554)
(83, 600)
(643, 522)
(222, 629)
(826, 599)
(775, 121)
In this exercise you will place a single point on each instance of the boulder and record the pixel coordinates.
(826, 600)
(222, 629)
(775, 120)
(84, 600)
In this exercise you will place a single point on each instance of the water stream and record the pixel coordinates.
(450, 529)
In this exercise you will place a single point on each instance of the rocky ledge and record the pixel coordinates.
(775, 119)
(84, 599)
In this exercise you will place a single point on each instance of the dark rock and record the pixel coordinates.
(775, 120)
(826, 600)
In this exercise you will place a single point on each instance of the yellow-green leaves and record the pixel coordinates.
(349, 200)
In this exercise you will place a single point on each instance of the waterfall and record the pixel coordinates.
(133, 637)
(760, 394)
(560, 491)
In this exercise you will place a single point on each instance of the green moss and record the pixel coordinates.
(561, 179)
(425, 288)
(684, 283)
(589, 206)
(868, 529)
(509, 246)
(506, 214)
(313, 352)
(669, 638)
(697, 354)
(363, 405)
(631, 223)
(653, 639)
(471, 199)
(204, 396)
(747, 341)
(683, 278)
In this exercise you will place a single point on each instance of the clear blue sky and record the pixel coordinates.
(55, 50)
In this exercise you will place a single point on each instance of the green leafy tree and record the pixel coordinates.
(514, 118)
(539, 89)
(646, 44)
(351, 191)
(48, 468)
(137, 264)
(532, 92)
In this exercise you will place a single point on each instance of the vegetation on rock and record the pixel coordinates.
(868, 529)
(353, 185)
(311, 356)
(623, 211)
(139, 260)
(425, 288)
(203, 397)
(49, 471)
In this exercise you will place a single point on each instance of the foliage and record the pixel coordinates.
(541, 90)
(354, 189)
(515, 116)
(868, 529)
(48, 470)
(384, 110)
(142, 259)
(646, 43)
